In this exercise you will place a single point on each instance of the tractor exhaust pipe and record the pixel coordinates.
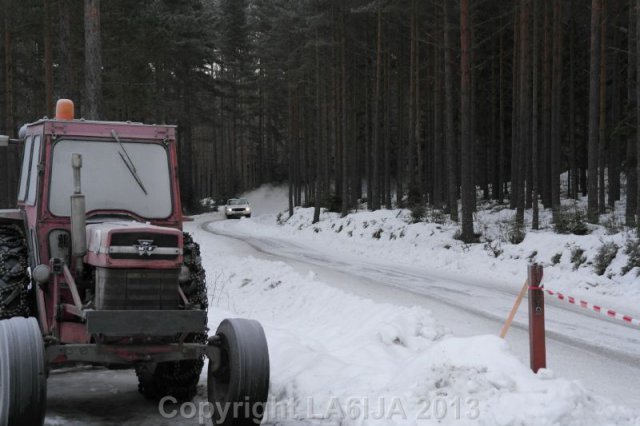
(78, 215)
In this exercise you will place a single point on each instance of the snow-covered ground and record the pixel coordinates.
(347, 349)
(336, 349)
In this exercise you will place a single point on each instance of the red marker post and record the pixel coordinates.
(537, 348)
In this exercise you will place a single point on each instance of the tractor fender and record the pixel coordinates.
(11, 216)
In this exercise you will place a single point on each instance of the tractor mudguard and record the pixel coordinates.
(11, 216)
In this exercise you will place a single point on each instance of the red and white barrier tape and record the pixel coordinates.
(602, 311)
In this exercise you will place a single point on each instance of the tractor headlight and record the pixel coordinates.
(41, 274)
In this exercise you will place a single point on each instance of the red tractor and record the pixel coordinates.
(95, 269)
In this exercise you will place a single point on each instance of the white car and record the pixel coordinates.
(237, 207)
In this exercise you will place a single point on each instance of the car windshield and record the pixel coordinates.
(238, 202)
(106, 181)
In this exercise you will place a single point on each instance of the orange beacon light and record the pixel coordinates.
(64, 109)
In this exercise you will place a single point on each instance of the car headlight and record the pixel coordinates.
(248, 209)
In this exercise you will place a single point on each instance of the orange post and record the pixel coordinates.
(537, 347)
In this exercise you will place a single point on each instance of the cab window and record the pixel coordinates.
(33, 172)
(24, 176)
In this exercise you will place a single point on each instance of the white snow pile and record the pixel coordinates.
(340, 359)
(267, 199)
(570, 261)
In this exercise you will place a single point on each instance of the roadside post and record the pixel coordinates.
(537, 348)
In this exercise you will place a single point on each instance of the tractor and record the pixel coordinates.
(95, 269)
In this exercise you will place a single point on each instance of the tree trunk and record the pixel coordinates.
(316, 197)
(468, 187)
(594, 111)
(534, 115)
(602, 141)
(12, 155)
(450, 137)
(66, 87)
(387, 133)
(92, 108)
(524, 113)
(7, 122)
(493, 150)
(545, 151)
(515, 175)
(419, 187)
(556, 105)
(637, 52)
(8, 73)
(375, 202)
(630, 169)
(48, 59)
(614, 138)
(436, 157)
(368, 137)
(411, 159)
(343, 121)
(573, 148)
(502, 148)
(400, 139)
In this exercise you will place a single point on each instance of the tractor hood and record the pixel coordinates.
(133, 245)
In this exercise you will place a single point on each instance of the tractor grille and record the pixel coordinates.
(132, 241)
(143, 289)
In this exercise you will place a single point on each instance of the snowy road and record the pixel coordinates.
(603, 355)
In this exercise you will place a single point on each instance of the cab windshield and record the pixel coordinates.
(238, 202)
(108, 182)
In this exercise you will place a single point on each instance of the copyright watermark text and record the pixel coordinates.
(334, 408)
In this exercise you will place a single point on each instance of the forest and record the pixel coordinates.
(381, 103)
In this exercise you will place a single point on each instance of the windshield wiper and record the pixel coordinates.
(127, 162)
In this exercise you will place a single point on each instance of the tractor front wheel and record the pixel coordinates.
(238, 389)
(23, 379)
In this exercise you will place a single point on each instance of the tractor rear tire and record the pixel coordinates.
(180, 379)
(23, 378)
(243, 375)
(14, 275)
